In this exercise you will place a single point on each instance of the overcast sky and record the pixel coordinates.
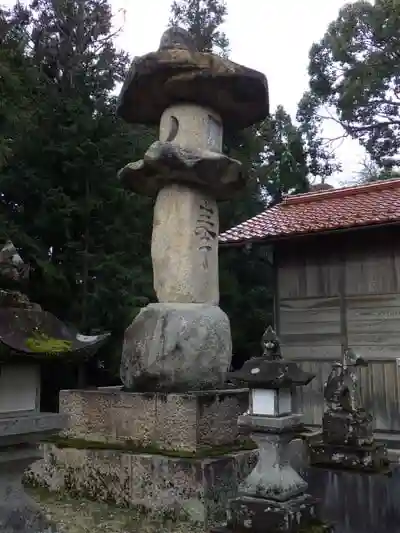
(273, 36)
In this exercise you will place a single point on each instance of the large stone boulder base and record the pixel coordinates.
(176, 347)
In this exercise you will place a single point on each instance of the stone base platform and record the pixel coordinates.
(196, 490)
(179, 422)
(171, 454)
(259, 515)
(368, 458)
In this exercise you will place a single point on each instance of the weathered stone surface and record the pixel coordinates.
(165, 163)
(260, 516)
(185, 422)
(18, 512)
(196, 489)
(273, 478)
(18, 433)
(17, 428)
(176, 347)
(346, 428)
(192, 127)
(366, 458)
(184, 247)
(179, 73)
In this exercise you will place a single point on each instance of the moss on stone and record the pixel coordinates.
(134, 447)
(316, 527)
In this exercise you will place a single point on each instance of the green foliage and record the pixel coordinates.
(202, 18)
(354, 69)
(60, 148)
(371, 172)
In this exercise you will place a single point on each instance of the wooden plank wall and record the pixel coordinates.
(340, 291)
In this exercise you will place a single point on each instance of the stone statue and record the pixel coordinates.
(345, 421)
(341, 391)
(347, 431)
(271, 345)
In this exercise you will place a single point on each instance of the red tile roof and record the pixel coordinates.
(317, 212)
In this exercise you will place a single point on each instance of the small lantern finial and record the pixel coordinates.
(176, 37)
(271, 345)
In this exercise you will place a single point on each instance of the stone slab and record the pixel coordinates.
(165, 163)
(272, 424)
(363, 458)
(195, 489)
(185, 422)
(161, 79)
(16, 428)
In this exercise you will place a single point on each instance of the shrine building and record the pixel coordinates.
(336, 258)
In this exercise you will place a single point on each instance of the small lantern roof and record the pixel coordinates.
(260, 372)
(177, 72)
(26, 330)
(271, 371)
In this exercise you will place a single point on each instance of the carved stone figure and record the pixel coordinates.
(271, 345)
(341, 391)
(347, 432)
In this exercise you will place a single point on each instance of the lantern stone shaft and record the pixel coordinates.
(184, 341)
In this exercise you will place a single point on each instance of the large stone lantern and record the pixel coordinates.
(183, 342)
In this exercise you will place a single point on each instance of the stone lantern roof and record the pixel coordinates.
(28, 331)
(177, 72)
(262, 373)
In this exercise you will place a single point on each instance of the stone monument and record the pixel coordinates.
(183, 342)
(347, 434)
(27, 335)
(274, 496)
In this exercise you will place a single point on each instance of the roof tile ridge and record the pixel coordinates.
(341, 192)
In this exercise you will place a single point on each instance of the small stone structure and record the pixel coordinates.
(347, 435)
(183, 342)
(27, 334)
(273, 497)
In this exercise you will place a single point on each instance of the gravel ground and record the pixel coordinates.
(83, 516)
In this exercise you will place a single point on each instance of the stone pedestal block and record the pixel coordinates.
(176, 347)
(346, 428)
(179, 422)
(196, 490)
(368, 458)
(184, 246)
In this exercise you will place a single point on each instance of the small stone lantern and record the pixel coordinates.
(273, 497)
